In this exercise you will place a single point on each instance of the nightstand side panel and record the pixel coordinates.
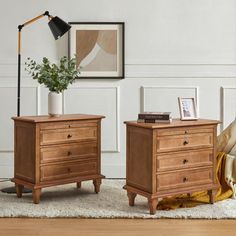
(25, 151)
(139, 158)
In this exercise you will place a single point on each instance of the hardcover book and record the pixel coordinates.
(154, 121)
(155, 115)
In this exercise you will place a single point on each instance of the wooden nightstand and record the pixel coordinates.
(169, 159)
(56, 150)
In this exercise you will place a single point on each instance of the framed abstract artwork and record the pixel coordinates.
(99, 48)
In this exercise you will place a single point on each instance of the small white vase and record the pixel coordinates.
(54, 104)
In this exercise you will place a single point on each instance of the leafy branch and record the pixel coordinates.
(55, 77)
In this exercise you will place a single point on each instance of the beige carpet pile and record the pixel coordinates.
(111, 202)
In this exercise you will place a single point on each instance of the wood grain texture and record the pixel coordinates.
(24, 165)
(67, 170)
(184, 159)
(184, 142)
(65, 152)
(139, 158)
(57, 136)
(56, 151)
(161, 163)
(107, 227)
(175, 123)
(183, 178)
(67, 117)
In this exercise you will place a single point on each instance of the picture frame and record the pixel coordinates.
(99, 49)
(188, 109)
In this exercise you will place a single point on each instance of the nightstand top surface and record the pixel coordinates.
(67, 117)
(174, 123)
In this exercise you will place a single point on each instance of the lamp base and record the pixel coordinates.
(12, 190)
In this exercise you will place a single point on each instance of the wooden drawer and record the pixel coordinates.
(67, 125)
(69, 152)
(69, 170)
(185, 130)
(184, 142)
(67, 135)
(184, 178)
(185, 159)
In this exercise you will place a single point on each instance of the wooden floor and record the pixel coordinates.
(105, 227)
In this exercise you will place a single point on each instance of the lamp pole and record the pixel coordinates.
(19, 70)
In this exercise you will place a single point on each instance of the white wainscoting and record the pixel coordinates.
(8, 107)
(181, 71)
(154, 98)
(228, 105)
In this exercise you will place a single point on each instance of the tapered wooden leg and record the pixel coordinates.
(78, 184)
(152, 205)
(97, 183)
(131, 197)
(19, 189)
(36, 195)
(212, 194)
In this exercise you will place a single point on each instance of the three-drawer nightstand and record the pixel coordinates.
(51, 151)
(168, 159)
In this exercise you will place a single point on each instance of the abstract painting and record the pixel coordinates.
(99, 48)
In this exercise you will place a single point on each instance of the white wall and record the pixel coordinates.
(172, 48)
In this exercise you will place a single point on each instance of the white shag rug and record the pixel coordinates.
(111, 202)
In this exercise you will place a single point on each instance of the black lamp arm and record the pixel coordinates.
(46, 13)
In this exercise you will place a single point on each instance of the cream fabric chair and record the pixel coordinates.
(227, 139)
(230, 173)
(226, 142)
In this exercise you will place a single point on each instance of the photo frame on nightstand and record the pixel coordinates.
(188, 109)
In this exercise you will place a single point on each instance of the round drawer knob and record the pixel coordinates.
(185, 161)
(185, 179)
(69, 153)
(68, 169)
(69, 136)
(185, 142)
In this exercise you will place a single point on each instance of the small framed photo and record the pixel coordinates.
(99, 49)
(188, 110)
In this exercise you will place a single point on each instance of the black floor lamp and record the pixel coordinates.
(58, 28)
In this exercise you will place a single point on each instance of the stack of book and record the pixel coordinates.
(154, 117)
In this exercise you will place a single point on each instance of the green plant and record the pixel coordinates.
(55, 77)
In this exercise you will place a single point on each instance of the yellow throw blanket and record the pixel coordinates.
(198, 198)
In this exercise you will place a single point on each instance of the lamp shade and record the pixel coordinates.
(58, 27)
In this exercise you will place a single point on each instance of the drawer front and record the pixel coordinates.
(185, 159)
(65, 171)
(184, 131)
(184, 142)
(184, 178)
(67, 125)
(67, 135)
(69, 152)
